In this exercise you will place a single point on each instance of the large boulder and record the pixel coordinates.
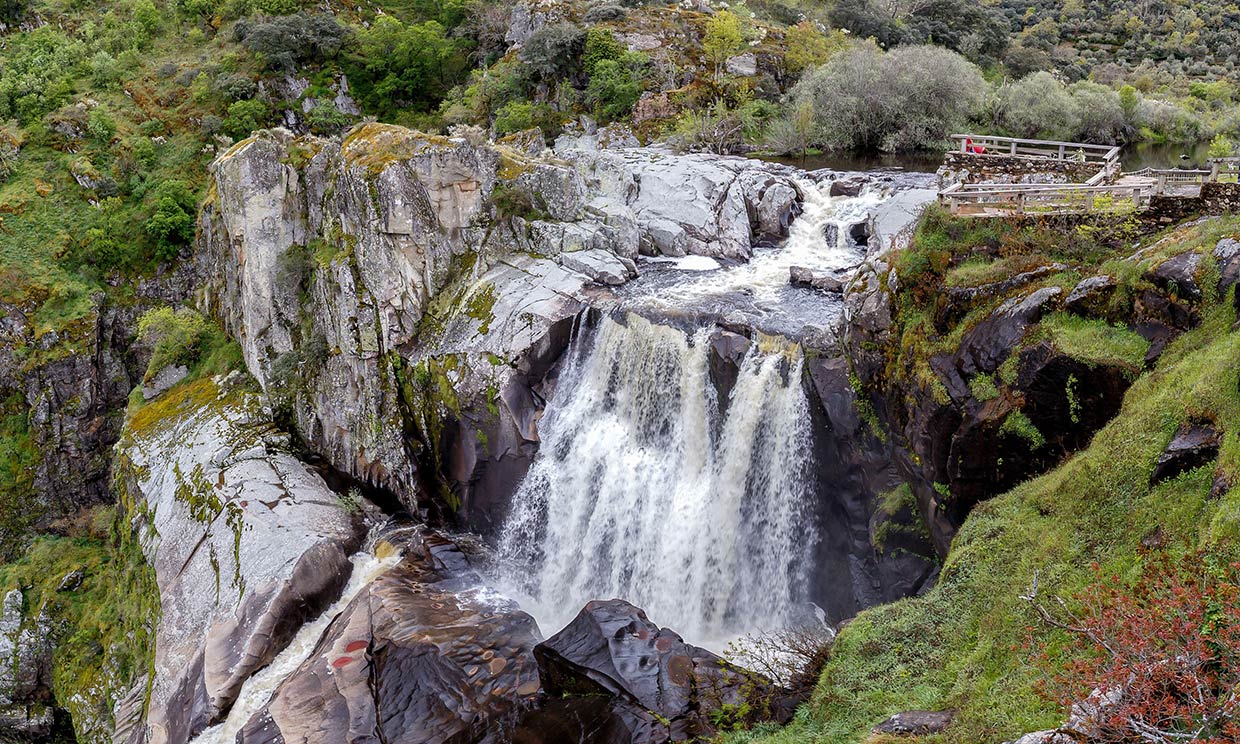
(646, 684)
(422, 655)
(1194, 445)
(246, 543)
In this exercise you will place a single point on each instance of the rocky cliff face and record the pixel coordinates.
(1034, 363)
(408, 295)
(246, 543)
(74, 383)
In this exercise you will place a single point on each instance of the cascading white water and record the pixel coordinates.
(368, 563)
(642, 490)
(765, 276)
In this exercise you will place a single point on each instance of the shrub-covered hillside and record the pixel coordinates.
(974, 644)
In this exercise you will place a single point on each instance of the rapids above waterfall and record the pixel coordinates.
(647, 489)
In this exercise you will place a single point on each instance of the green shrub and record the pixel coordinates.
(615, 85)
(554, 52)
(175, 337)
(515, 117)
(983, 388)
(290, 41)
(1017, 424)
(408, 65)
(600, 46)
(244, 117)
(171, 226)
(325, 118)
(906, 99)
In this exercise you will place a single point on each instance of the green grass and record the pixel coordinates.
(962, 645)
(1095, 341)
(103, 630)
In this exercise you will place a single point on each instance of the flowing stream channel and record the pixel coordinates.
(377, 556)
(644, 490)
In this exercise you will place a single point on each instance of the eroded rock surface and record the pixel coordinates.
(245, 540)
(405, 297)
(613, 677)
(422, 655)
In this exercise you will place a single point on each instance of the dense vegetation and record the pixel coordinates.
(975, 642)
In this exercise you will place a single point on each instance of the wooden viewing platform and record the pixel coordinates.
(1030, 148)
(1108, 190)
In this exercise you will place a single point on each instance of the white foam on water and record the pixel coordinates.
(642, 490)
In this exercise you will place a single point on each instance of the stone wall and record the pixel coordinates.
(962, 167)
(1215, 198)
(1220, 198)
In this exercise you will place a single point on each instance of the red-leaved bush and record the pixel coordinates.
(1156, 662)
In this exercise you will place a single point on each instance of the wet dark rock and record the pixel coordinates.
(727, 351)
(850, 186)
(859, 233)
(1178, 276)
(1194, 445)
(656, 686)
(1154, 306)
(828, 281)
(1221, 485)
(1091, 295)
(916, 723)
(855, 468)
(991, 341)
(418, 657)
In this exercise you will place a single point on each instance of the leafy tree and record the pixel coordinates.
(908, 98)
(172, 225)
(1037, 105)
(109, 242)
(865, 21)
(724, 39)
(805, 46)
(554, 52)
(293, 41)
(1221, 146)
(1101, 113)
(174, 336)
(976, 30)
(413, 65)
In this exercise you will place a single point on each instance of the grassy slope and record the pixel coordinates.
(960, 646)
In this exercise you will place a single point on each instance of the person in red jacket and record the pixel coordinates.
(975, 149)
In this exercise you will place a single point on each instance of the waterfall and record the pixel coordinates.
(643, 490)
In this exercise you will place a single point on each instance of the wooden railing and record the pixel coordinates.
(1164, 177)
(1030, 199)
(1224, 169)
(1030, 148)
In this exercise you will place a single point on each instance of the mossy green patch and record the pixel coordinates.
(961, 645)
(1095, 341)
